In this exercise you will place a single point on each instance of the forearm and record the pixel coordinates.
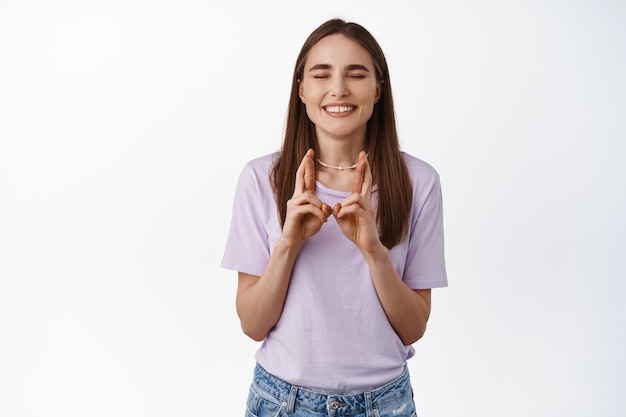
(260, 300)
(406, 309)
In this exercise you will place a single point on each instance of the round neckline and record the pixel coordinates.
(337, 193)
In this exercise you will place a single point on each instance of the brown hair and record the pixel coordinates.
(381, 142)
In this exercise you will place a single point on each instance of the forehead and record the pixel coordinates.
(337, 50)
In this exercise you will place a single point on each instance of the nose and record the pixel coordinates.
(339, 87)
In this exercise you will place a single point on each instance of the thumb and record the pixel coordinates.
(326, 209)
(336, 210)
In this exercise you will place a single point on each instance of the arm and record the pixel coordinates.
(260, 300)
(406, 309)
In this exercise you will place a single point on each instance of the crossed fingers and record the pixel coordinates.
(355, 214)
(304, 208)
(361, 186)
(305, 175)
(362, 183)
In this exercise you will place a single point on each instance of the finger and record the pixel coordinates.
(327, 210)
(300, 212)
(354, 204)
(309, 171)
(300, 174)
(336, 209)
(304, 199)
(357, 183)
(352, 199)
(338, 214)
(366, 187)
(343, 210)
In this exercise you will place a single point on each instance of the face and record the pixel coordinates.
(339, 88)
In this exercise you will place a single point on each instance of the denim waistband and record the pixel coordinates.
(335, 404)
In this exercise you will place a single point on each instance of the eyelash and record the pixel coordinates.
(355, 76)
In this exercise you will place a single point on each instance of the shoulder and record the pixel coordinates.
(262, 163)
(255, 176)
(420, 171)
(258, 169)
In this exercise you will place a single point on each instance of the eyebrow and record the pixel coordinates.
(351, 67)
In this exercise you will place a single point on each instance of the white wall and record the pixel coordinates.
(124, 125)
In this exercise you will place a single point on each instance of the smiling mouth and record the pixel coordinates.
(339, 109)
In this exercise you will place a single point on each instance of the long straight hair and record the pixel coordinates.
(389, 171)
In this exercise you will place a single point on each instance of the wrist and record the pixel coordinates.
(376, 253)
(285, 245)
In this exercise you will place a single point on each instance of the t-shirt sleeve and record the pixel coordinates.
(247, 248)
(425, 264)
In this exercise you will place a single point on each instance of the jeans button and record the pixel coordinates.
(336, 404)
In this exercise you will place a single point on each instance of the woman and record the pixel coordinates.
(337, 240)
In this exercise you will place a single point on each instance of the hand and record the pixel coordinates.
(355, 214)
(305, 212)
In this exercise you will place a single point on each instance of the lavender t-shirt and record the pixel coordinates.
(333, 335)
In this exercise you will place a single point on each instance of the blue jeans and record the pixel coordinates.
(272, 397)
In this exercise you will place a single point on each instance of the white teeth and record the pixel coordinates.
(339, 109)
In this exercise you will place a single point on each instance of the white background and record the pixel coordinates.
(124, 125)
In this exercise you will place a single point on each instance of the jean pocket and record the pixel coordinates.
(403, 407)
(261, 406)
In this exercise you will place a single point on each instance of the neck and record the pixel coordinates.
(339, 153)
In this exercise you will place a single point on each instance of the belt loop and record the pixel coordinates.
(369, 410)
(291, 402)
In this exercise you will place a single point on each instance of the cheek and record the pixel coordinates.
(311, 111)
(367, 112)
(308, 90)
